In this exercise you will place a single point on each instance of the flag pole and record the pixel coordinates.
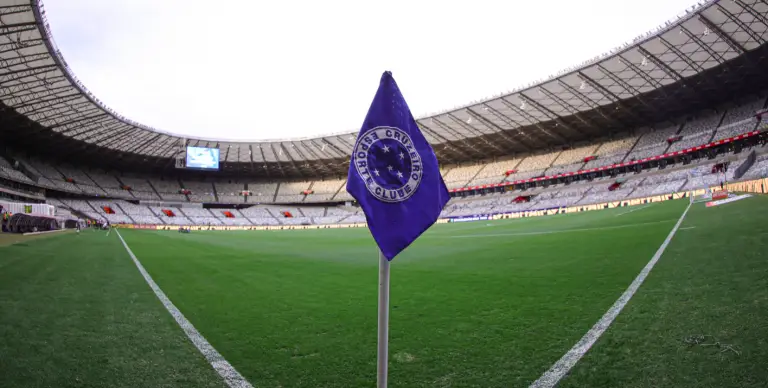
(383, 344)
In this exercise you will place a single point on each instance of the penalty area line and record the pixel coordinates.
(552, 377)
(231, 376)
(632, 210)
(554, 231)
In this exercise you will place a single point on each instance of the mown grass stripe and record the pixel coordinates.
(230, 375)
(551, 377)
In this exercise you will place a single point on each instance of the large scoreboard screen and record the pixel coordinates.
(203, 158)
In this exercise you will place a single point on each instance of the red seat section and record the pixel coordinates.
(228, 214)
(108, 210)
(591, 157)
(614, 186)
(287, 214)
(522, 198)
(169, 213)
(510, 172)
(673, 139)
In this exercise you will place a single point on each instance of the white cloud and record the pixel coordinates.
(246, 69)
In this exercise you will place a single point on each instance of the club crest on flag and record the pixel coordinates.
(388, 162)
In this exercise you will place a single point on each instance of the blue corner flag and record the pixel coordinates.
(394, 174)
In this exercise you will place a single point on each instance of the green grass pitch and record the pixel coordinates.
(479, 304)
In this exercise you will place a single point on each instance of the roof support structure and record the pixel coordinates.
(549, 113)
(499, 131)
(479, 134)
(327, 143)
(250, 160)
(89, 126)
(534, 121)
(55, 100)
(114, 137)
(277, 159)
(99, 133)
(318, 162)
(568, 107)
(30, 85)
(462, 139)
(23, 59)
(674, 74)
(513, 125)
(16, 46)
(736, 46)
(714, 54)
(290, 160)
(609, 95)
(164, 147)
(751, 11)
(641, 73)
(693, 65)
(134, 150)
(591, 104)
(28, 94)
(8, 29)
(24, 73)
(624, 85)
(45, 117)
(735, 19)
(97, 124)
(263, 158)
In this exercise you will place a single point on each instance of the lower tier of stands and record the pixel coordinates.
(646, 183)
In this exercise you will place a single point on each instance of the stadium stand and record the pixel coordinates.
(109, 184)
(460, 176)
(536, 164)
(168, 189)
(7, 171)
(199, 191)
(259, 216)
(292, 192)
(139, 188)
(740, 119)
(230, 192)
(262, 192)
(623, 186)
(494, 172)
(200, 216)
(323, 191)
(696, 131)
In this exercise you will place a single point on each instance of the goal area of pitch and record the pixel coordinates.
(707, 196)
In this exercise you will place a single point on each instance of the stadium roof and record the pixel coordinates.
(712, 53)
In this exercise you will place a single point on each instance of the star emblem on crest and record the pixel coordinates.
(399, 174)
(376, 172)
(385, 149)
(402, 155)
(389, 168)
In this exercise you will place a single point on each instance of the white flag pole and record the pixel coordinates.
(383, 348)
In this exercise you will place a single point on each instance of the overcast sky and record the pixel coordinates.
(249, 69)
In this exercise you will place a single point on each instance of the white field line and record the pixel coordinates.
(46, 232)
(224, 368)
(690, 227)
(553, 231)
(630, 211)
(551, 377)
